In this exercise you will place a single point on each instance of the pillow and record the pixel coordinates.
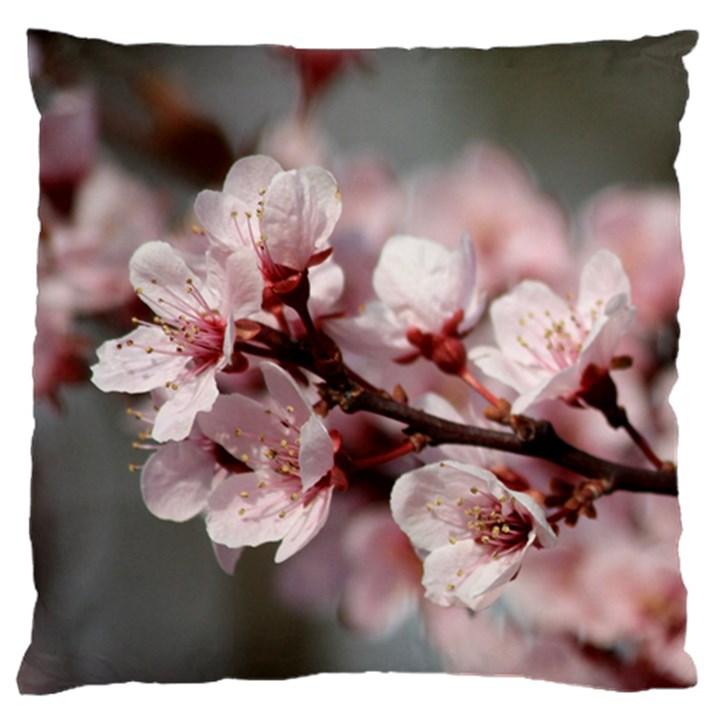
(469, 181)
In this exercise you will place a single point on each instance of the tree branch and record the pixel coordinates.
(533, 438)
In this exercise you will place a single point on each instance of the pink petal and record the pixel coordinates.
(462, 574)
(522, 313)
(417, 280)
(446, 481)
(235, 422)
(236, 521)
(176, 480)
(175, 418)
(301, 210)
(227, 557)
(317, 455)
(243, 292)
(223, 219)
(159, 274)
(307, 521)
(602, 278)
(286, 393)
(248, 177)
(124, 367)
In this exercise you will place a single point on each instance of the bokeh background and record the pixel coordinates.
(132, 597)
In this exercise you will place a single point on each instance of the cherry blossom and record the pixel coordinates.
(190, 339)
(472, 530)
(428, 295)
(287, 217)
(553, 347)
(287, 495)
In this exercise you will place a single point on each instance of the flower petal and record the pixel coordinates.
(462, 575)
(176, 480)
(175, 418)
(317, 455)
(302, 208)
(307, 521)
(160, 275)
(125, 365)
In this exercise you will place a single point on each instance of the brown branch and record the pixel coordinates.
(533, 438)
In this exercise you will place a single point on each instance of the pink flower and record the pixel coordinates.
(287, 495)
(473, 531)
(285, 216)
(547, 344)
(428, 297)
(191, 338)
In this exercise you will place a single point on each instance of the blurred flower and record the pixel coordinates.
(68, 144)
(515, 230)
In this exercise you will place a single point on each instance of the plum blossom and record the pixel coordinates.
(550, 347)
(472, 530)
(429, 296)
(286, 217)
(191, 337)
(291, 454)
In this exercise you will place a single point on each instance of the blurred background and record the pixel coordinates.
(128, 596)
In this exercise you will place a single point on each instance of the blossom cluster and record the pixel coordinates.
(241, 344)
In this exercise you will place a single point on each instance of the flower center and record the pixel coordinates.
(555, 343)
(495, 522)
(191, 326)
